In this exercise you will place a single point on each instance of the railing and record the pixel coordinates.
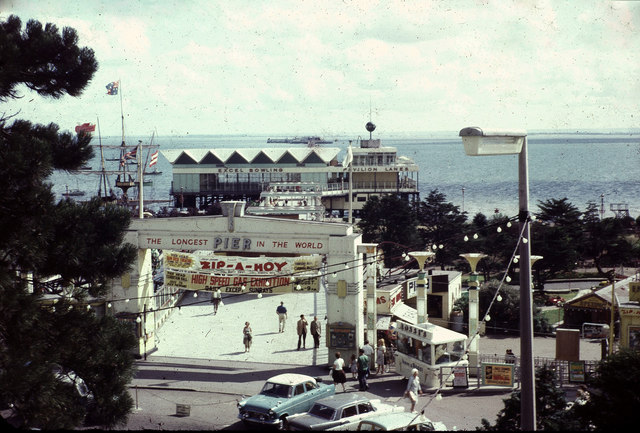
(474, 374)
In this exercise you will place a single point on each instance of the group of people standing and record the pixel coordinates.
(361, 365)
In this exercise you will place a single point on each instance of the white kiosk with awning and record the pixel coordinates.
(428, 347)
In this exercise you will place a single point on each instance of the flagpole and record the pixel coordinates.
(140, 183)
(121, 110)
(350, 185)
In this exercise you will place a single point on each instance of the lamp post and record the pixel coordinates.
(421, 304)
(474, 308)
(479, 142)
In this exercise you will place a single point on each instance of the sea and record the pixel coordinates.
(603, 168)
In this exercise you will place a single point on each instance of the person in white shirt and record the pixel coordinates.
(368, 350)
(338, 372)
(413, 388)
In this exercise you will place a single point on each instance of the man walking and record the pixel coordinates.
(363, 370)
(302, 331)
(216, 297)
(315, 331)
(281, 311)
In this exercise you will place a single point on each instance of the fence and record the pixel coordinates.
(474, 374)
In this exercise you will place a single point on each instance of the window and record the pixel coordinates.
(310, 386)
(349, 411)
(299, 389)
(364, 408)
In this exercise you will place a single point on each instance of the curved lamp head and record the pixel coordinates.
(480, 142)
(473, 259)
(421, 257)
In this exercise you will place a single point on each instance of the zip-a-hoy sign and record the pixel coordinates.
(242, 274)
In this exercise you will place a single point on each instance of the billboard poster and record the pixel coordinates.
(233, 274)
(576, 371)
(497, 374)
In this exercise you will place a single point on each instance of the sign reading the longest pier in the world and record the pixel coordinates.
(231, 243)
(241, 274)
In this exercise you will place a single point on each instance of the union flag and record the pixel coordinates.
(112, 88)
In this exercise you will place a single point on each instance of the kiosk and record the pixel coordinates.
(428, 347)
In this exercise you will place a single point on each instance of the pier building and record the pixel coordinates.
(299, 182)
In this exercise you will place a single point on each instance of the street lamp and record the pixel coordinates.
(479, 142)
(421, 305)
(474, 308)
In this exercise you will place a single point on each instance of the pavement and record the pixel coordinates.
(201, 354)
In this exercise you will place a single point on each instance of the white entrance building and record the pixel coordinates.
(133, 297)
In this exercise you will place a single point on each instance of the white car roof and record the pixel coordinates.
(291, 379)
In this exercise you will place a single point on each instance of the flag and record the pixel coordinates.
(85, 127)
(129, 155)
(112, 88)
(349, 159)
(154, 159)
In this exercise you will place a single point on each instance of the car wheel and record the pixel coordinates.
(283, 425)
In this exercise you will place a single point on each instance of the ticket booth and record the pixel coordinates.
(428, 347)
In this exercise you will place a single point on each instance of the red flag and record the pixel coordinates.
(85, 127)
(154, 159)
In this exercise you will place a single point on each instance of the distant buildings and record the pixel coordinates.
(301, 182)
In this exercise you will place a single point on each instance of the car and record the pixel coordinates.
(281, 396)
(554, 301)
(400, 421)
(339, 412)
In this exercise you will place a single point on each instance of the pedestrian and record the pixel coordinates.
(509, 357)
(302, 331)
(315, 332)
(281, 311)
(381, 352)
(363, 370)
(353, 366)
(368, 350)
(246, 332)
(413, 388)
(216, 298)
(338, 372)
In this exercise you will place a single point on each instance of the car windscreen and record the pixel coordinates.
(322, 411)
(276, 390)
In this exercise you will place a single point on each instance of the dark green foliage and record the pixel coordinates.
(390, 222)
(41, 344)
(614, 393)
(551, 407)
(505, 314)
(45, 60)
(441, 223)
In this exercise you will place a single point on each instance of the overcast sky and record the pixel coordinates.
(316, 67)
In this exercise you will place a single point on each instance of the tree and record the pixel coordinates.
(80, 243)
(441, 223)
(551, 407)
(505, 314)
(614, 393)
(557, 235)
(390, 222)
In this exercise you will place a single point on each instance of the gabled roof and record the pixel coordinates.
(318, 155)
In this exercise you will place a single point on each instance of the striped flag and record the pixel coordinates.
(154, 159)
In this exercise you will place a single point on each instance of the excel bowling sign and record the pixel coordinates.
(233, 274)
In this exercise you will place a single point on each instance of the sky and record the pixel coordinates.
(299, 67)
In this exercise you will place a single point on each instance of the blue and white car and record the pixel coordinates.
(281, 396)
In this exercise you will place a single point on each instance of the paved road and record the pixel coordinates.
(201, 362)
